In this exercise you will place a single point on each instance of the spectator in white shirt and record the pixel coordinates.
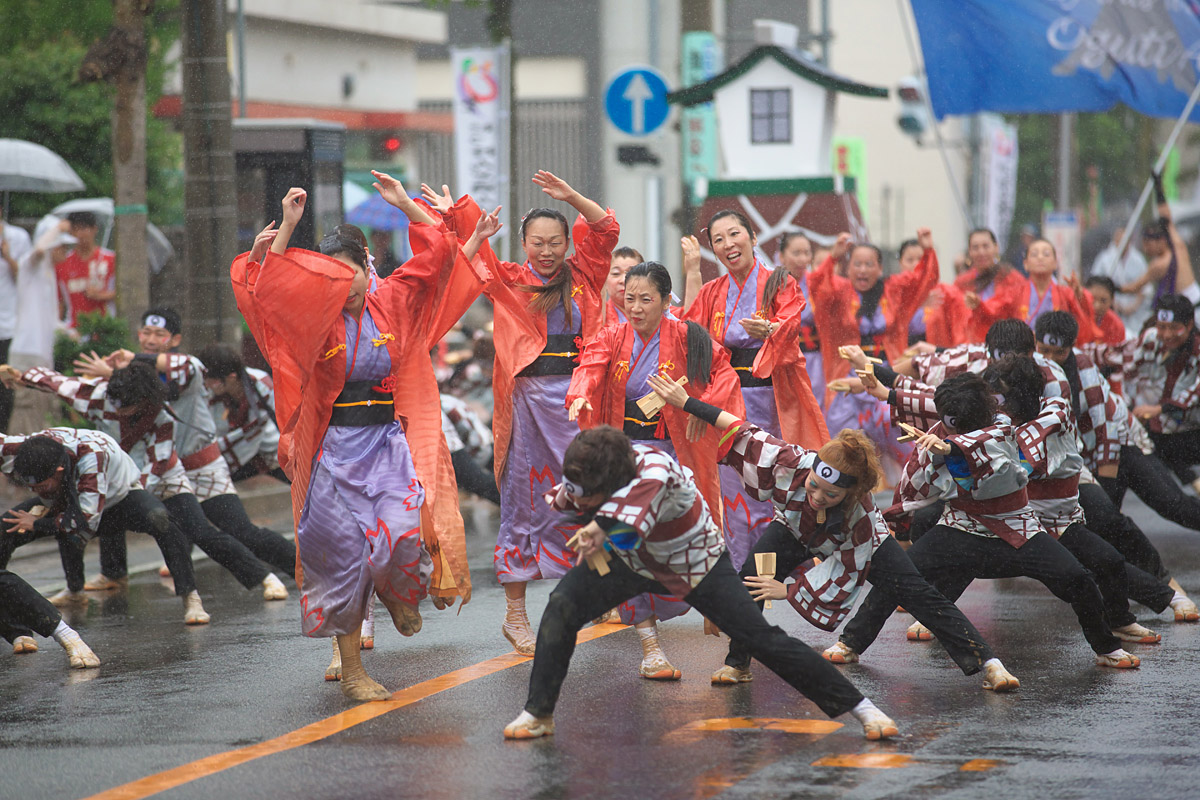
(14, 244)
(1124, 269)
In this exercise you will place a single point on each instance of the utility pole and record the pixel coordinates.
(694, 15)
(208, 308)
(120, 59)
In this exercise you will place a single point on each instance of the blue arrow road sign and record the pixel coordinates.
(636, 101)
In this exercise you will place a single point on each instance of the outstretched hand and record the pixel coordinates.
(577, 405)
(440, 203)
(262, 242)
(390, 189)
(10, 376)
(925, 238)
(553, 185)
(489, 224)
(91, 365)
(691, 253)
(841, 246)
(293, 206)
(764, 588)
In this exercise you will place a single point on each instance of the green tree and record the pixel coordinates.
(43, 43)
(1119, 143)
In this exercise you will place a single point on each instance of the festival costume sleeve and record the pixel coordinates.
(914, 403)
(594, 243)
(764, 463)
(85, 395)
(825, 593)
(1083, 312)
(923, 483)
(589, 378)
(1034, 436)
(946, 324)
(180, 369)
(1112, 329)
(906, 293)
(833, 304)
(1003, 304)
(780, 358)
(91, 484)
(1104, 427)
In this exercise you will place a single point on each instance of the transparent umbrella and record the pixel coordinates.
(158, 248)
(29, 167)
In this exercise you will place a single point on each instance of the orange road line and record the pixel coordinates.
(865, 761)
(186, 773)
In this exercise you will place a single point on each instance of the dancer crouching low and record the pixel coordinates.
(645, 506)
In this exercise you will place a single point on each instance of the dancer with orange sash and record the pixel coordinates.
(360, 423)
(545, 309)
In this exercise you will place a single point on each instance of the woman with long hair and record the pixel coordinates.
(545, 309)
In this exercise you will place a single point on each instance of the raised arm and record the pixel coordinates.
(393, 192)
(559, 189)
(693, 281)
(293, 210)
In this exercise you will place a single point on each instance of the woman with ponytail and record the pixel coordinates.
(545, 309)
(611, 378)
(754, 311)
(824, 509)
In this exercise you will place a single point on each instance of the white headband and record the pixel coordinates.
(156, 321)
(831, 474)
(572, 488)
(1166, 315)
(1053, 341)
(951, 421)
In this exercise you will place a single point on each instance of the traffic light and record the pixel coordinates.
(914, 111)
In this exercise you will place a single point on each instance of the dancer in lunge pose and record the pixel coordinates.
(372, 488)
(606, 387)
(645, 506)
(824, 509)
(86, 487)
(24, 612)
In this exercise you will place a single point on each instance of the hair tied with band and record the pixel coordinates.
(832, 475)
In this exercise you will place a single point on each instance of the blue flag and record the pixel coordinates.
(1041, 56)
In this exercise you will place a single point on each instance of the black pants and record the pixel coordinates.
(1153, 481)
(924, 519)
(891, 573)
(6, 394)
(23, 610)
(241, 555)
(255, 468)
(139, 511)
(950, 559)
(1179, 451)
(582, 595)
(185, 512)
(474, 478)
(1144, 567)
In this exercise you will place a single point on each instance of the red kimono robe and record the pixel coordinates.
(946, 322)
(835, 304)
(1062, 298)
(780, 359)
(1009, 291)
(602, 375)
(520, 332)
(293, 305)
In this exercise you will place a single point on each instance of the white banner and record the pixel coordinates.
(481, 126)
(1064, 231)
(999, 142)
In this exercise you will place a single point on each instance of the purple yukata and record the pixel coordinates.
(532, 540)
(360, 531)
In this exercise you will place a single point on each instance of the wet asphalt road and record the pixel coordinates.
(168, 696)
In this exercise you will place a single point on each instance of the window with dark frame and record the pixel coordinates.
(770, 116)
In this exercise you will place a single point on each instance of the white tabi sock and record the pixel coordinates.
(64, 632)
(865, 710)
(1178, 598)
(991, 662)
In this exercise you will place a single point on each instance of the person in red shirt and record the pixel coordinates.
(990, 288)
(1112, 329)
(87, 278)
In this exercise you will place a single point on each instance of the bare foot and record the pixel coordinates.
(67, 598)
(356, 683)
(78, 653)
(103, 583)
(273, 588)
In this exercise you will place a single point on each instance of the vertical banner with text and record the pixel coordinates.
(999, 142)
(701, 60)
(481, 133)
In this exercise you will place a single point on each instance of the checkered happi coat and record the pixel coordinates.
(990, 502)
(777, 471)
(104, 474)
(933, 368)
(153, 452)
(1049, 443)
(257, 434)
(1150, 377)
(1105, 421)
(679, 541)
